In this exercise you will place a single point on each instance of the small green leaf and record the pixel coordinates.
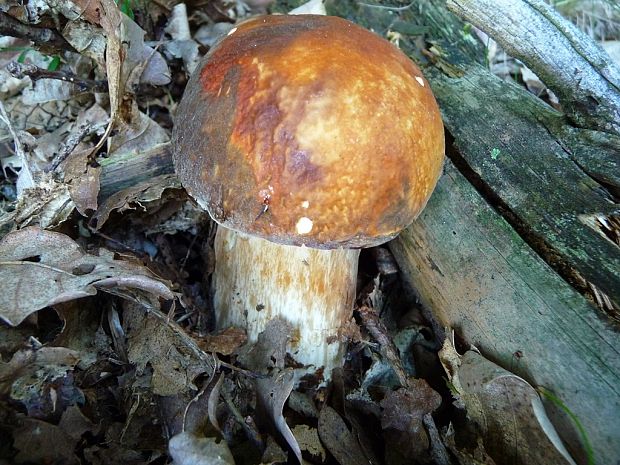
(22, 56)
(125, 7)
(407, 28)
(495, 153)
(546, 393)
(54, 64)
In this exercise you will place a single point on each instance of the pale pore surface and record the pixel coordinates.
(314, 290)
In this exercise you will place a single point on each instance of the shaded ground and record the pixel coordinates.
(107, 344)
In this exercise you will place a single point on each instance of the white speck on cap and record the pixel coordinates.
(304, 225)
(305, 204)
(232, 31)
(420, 80)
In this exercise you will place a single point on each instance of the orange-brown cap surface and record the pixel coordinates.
(309, 130)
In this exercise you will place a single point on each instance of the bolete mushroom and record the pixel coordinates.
(306, 138)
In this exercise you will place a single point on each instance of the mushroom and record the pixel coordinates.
(306, 138)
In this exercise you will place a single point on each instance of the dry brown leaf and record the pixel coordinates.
(39, 268)
(137, 133)
(225, 342)
(25, 363)
(271, 395)
(47, 205)
(514, 424)
(75, 424)
(82, 180)
(151, 342)
(267, 356)
(402, 421)
(41, 442)
(338, 440)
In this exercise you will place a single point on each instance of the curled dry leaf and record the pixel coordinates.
(338, 440)
(267, 356)
(134, 196)
(39, 268)
(402, 421)
(138, 132)
(47, 205)
(510, 414)
(271, 395)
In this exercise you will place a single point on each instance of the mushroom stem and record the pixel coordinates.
(256, 281)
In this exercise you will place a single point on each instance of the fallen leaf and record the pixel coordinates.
(338, 440)
(87, 39)
(82, 180)
(402, 421)
(41, 442)
(48, 204)
(271, 395)
(39, 268)
(75, 424)
(137, 132)
(48, 362)
(224, 342)
(269, 352)
(267, 356)
(510, 414)
(166, 348)
(189, 449)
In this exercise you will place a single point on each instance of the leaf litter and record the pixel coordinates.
(108, 350)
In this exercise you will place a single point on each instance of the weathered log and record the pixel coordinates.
(120, 172)
(477, 276)
(578, 71)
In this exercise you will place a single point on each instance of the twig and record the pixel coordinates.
(371, 321)
(25, 179)
(389, 8)
(10, 26)
(35, 73)
(72, 141)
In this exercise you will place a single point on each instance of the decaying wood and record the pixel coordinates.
(120, 172)
(578, 71)
(476, 275)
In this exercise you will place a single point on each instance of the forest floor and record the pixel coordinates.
(108, 352)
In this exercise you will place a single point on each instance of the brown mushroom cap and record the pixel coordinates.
(309, 130)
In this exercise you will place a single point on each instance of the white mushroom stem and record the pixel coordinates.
(314, 290)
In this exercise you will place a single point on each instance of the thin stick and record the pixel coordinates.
(10, 26)
(19, 70)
